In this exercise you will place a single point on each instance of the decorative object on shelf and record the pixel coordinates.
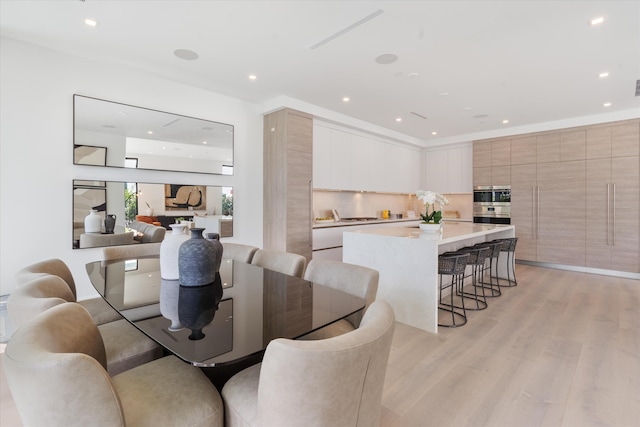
(169, 251)
(197, 306)
(196, 260)
(150, 211)
(430, 198)
(109, 223)
(169, 297)
(214, 238)
(93, 222)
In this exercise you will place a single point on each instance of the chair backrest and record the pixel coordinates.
(43, 292)
(332, 382)
(283, 262)
(350, 278)
(238, 251)
(96, 240)
(54, 266)
(55, 368)
(130, 251)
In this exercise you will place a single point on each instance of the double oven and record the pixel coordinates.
(492, 204)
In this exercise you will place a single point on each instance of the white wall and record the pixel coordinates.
(36, 151)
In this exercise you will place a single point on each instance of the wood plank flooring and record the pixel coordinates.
(560, 349)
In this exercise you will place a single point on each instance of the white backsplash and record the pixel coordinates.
(355, 204)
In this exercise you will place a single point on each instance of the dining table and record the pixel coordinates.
(224, 326)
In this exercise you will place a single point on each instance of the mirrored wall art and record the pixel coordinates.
(108, 213)
(118, 135)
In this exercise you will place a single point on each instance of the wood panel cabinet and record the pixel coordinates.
(288, 166)
(523, 209)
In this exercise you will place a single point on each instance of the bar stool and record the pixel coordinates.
(508, 246)
(492, 286)
(452, 264)
(477, 260)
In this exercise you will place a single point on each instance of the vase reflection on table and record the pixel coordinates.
(197, 306)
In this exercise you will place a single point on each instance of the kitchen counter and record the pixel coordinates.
(371, 221)
(407, 260)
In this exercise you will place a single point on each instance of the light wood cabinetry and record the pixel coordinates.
(492, 162)
(575, 194)
(613, 198)
(288, 165)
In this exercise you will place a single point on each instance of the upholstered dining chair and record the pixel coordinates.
(350, 278)
(126, 347)
(55, 368)
(97, 307)
(238, 251)
(283, 262)
(130, 251)
(334, 382)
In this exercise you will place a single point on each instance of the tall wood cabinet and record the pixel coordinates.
(575, 194)
(288, 168)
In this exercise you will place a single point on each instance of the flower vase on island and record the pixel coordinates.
(431, 222)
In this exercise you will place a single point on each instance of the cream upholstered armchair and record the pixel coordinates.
(150, 233)
(97, 307)
(126, 347)
(55, 368)
(350, 278)
(334, 382)
(238, 251)
(283, 262)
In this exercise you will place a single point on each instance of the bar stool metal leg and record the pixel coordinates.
(493, 284)
(477, 259)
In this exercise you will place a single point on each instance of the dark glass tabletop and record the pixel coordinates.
(223, 322)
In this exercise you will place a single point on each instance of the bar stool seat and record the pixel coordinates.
(508, 247)
(493, 283)
(477, 260)
(452, 264)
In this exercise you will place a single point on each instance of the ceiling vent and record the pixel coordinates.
(637, 87)
(418, 115)
(347, 29)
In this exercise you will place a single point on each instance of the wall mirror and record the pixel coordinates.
(108, 133)
(138, 213)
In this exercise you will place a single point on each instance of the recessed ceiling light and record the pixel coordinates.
(149, 132)
(346, 99)
(204, 142)
(412, 75)
(434, 133)
(186, 54)
(387, 58)
(603, 75)
(398, 119)
(597, 21)
(505, 121)
(90, 22)
(444, 93)
(252, 77)
(607, 104)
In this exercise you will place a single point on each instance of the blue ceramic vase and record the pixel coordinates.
(196, 260)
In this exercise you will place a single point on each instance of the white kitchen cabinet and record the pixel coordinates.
(361, 163)
(450, 170)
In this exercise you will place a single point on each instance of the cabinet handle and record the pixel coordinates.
(310, 213)
(608, 214)
(537, 212)
(613, 231)
(533, 212)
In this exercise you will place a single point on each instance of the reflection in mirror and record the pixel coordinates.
(143, 212)
(107, 133)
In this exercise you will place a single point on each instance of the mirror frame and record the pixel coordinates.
(105, 133)
(173, 202)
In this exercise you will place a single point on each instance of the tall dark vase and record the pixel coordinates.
(214, 238)
(196, 260)
(197, 307)
(109, 223)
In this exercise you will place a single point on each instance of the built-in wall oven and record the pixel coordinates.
(492, 204)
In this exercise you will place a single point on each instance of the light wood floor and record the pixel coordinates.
(560, 349)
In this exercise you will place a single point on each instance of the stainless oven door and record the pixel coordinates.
(485, 213)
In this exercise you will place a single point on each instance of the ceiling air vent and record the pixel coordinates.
(637, 87)
(418, 115)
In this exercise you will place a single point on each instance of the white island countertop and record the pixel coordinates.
(407, 260)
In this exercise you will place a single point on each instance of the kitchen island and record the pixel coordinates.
(407, 259)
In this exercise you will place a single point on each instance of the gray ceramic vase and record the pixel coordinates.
(214, 238)
(196, 260)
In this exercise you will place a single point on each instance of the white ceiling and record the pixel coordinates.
(476, 63)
